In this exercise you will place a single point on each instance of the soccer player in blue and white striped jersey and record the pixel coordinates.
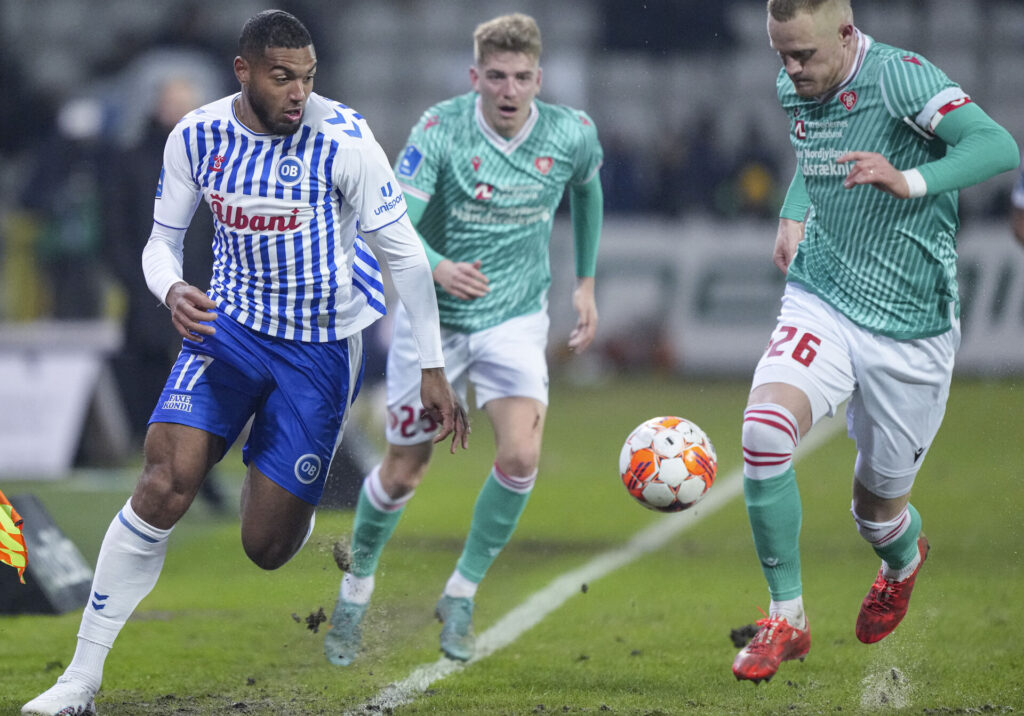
(296, 184)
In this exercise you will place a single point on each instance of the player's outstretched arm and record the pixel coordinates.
(586, 315)
(787, 238)
(444, 407)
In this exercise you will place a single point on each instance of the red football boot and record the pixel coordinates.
(775, 642)
(886, 603)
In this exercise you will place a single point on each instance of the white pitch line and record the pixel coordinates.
(523, 617)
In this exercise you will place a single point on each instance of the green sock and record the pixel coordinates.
(370, 532)
(902, 550)
(773, 506)
(495, 516)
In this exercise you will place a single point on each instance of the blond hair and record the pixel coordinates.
(509, 33)
(786, 10)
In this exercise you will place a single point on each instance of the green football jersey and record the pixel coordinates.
(494, 199)
(887, 264)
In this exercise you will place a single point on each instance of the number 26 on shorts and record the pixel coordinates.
(799, 345)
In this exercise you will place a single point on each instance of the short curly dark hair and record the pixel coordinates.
(272, 28)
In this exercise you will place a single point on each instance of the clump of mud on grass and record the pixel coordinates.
(885, 688)
(741, 636)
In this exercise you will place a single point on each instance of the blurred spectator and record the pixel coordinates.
(752, 188)
(25, 113)
(1017, 210)
(63, 197)
(689, 169)
(622, 178)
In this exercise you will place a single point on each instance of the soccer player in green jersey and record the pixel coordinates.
(883, 140)
(483, 174)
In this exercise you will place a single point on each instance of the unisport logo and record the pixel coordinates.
(389, 205)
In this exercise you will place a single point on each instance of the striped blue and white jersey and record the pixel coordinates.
(289, 260)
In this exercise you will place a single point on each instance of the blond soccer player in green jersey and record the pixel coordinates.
(483, 174)
(883, 140)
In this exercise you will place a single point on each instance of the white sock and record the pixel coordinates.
(86, 666)
(129, 563)
(898, 575)
(356, 590)
(791, 609)
(459, 586)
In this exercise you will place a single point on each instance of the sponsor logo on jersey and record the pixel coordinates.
(236, 218)
(389, 204)
(583, 119)
(160, 184)
(543, 164)
(476, 163)
(472, 212)
(432, 121)
(387, 191)
(819, 129)
(912, 60)
(178, 401)
(412, 157)
(483, 192)
(307, 468)
(848, 98)
(822, 162)
(217, 162)
(290, 170)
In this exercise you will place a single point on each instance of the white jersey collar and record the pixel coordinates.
(506, 146)
(863, 45)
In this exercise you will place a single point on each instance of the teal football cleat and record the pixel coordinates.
(341, 643)
(456, 613)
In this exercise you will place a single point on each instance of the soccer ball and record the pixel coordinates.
(668, 464)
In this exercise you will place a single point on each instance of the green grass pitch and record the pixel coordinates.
(219, 636)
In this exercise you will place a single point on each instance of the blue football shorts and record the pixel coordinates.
(296, 393)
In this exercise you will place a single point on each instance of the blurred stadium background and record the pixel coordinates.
(682, 92)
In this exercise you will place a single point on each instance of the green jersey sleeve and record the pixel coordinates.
(589, 154)
(418, 165)
(914, 88)
(797, 202)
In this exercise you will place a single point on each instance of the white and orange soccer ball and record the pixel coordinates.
(668, 464)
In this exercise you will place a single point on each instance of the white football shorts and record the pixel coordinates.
(897, 389)
(506, 360)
